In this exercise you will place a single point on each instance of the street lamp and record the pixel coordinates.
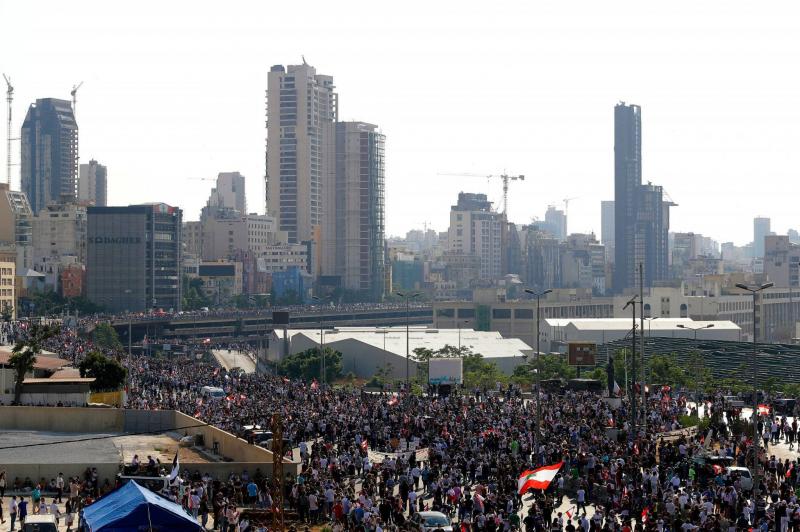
(538, 296)
(321, 341)
(695, 329)
(459, 323)
(632, 303)
(408, 296)
(754, 291)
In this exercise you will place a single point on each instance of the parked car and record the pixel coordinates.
(744, 475)
(433, 521)
(40, 523)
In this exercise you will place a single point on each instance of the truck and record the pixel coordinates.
(445, 371)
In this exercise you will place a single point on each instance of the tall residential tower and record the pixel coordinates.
(301, 118)
(49, 152)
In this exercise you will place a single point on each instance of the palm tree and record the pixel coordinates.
(23, 356)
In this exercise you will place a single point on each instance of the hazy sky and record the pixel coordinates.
(175, 90)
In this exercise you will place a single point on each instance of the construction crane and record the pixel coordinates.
(505, 177)
(9, 99)
(74, 93)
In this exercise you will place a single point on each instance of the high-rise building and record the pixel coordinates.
(627, 180)
(49, 152)
(761, 228)
(641, 215)
(93, 184)
(301, 118)
(782, 261)
(134, 257)
(8, 297)
(228, 195)
(475, 229)
(16, 225)
(353, 232)
(607, 228)
(556, 222)
(59, 240)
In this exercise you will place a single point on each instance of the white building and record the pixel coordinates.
(603, 330)
(477, 231)
(367, 349)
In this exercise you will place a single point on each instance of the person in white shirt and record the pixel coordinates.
(54, 510)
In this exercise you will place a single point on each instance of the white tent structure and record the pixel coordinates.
(366, 349)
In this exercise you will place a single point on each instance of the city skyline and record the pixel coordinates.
(707, 147)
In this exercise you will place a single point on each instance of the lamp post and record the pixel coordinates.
(632, 303)
(644, 370)
(321, 341)
(408, 296)
(755, 290)
(458, 324)
(538, 296)
(695, 329)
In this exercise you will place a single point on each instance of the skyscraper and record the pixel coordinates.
(229, 194)
(627, 180)
(301, 117)
(354, 220)
(556, 220)
(761, 228)
(641, 216)
(93, 184)
(49, 152)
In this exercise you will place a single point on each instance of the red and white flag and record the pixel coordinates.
(538, 479)
(393, 400)
(616, 388)
(763, 410)
(364, 444)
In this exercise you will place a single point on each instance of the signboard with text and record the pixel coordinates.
(582, 353)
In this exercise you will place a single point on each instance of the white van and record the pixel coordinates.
(212, 392)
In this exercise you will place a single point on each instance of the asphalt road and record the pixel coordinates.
(234, 359)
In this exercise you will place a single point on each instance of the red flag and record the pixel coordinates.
(364, 444)
(763, 410)
(645, 512)
(538, 479)
(569, 512)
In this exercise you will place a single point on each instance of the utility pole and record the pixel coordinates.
(641, 334)
(277, 472)
(538, 296)
(632, 303)
(756, 443)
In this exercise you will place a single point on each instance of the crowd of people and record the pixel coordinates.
(373, 462)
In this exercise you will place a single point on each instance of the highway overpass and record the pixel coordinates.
(250, 328)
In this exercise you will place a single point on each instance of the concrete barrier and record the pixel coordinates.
(236, 453)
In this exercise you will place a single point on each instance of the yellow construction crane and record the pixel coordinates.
(505, 177)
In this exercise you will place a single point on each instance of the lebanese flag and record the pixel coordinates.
(364, 444)
(763, 410)
(538, 479)
(616, 388)
(393, 400)
(645, 513)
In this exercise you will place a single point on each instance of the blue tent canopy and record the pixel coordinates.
(133, 507)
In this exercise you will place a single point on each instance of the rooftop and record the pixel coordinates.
(624, 324)
(490, 344)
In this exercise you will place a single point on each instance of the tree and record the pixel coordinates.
(307, 365)
(23, 356)
(664, 369)
(193, 295)
(108, 373)
(105, 336)
(423, 355)
(478, 373)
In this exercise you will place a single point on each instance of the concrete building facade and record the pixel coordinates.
(782, 261)
(59, 232)
(16, 225)
(761, 228)
(8, 297)
(134, 257)
(93, 184)
(49, 163)
(301, 116)
(477, 230)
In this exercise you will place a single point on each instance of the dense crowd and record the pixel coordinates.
(373, 462)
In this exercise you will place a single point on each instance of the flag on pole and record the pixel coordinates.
(763, 410)
(176, 466)
(569, 512)
(616, 388)
(538, 479)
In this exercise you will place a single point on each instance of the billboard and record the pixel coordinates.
(445, 371)
(582, 353)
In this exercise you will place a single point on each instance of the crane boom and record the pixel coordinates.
(505, 178)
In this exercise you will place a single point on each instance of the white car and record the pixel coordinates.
(744, 475)
(434, 521)
(40, 523)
